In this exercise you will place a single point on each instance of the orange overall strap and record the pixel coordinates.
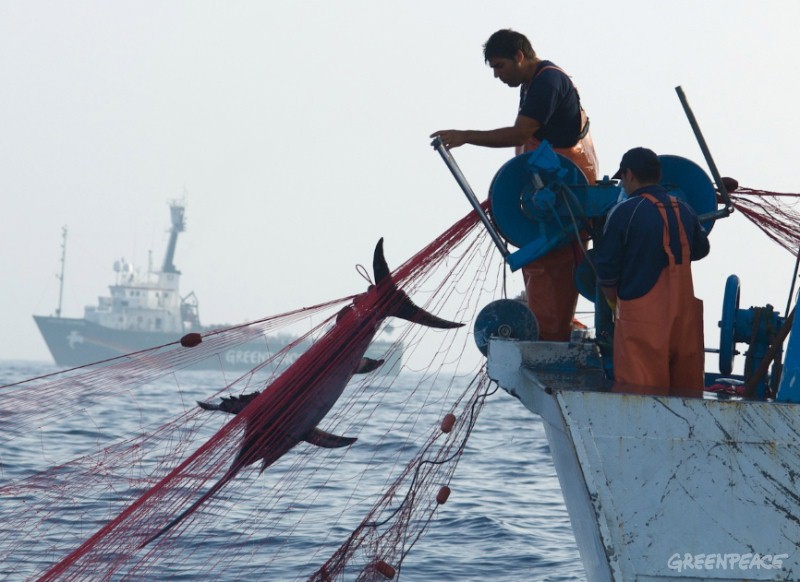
(685, 255)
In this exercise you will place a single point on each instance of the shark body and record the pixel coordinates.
(288, 411)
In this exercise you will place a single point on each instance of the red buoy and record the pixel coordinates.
(731, 184)
(386, 570)
(444, 493)
(448, 421)
(191, 339)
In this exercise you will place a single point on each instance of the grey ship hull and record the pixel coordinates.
(77, 342)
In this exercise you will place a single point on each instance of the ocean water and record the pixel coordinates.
(505, 519)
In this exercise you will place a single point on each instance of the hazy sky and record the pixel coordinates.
(298, 132)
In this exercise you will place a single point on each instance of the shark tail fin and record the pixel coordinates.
(403, 307)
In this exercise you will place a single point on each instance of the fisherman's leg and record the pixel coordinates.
(641, 347)
(640, 367)
(688, 360)
(552, 295)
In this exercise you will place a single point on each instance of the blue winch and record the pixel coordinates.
(760, 328)
(541, 200)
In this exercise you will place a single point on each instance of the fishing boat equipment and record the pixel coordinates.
(540, 201)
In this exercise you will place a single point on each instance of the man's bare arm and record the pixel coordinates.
(502, 137)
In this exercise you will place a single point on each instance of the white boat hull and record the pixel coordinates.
(662, 488)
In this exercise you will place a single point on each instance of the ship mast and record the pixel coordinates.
(176, 213)
(61, 275)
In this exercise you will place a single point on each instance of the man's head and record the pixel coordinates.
(505, 43)
(511, 56)
(641, 165)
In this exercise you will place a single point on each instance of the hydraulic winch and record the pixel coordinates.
(763, 329)
(540, 201)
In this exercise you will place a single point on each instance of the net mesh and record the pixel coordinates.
(775, 213)
(126, 487)
(89, 514)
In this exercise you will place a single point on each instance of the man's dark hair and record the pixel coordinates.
(647, 174)
(505, 43)
(644, 164)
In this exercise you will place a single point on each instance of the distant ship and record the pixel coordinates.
(144, 311)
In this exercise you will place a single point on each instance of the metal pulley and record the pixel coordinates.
(505, 318)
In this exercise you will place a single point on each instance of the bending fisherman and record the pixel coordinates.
(644, 268)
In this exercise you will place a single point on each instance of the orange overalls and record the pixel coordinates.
(550, 280)
(658, 338)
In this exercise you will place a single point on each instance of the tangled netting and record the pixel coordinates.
(94, 515)
(391, 528)
(94, 462)
(773, 212)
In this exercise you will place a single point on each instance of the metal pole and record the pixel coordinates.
(706, 153)
(462, 181)
(794, 280)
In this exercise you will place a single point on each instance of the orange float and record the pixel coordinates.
(448, 422)
(386, 570)
(191, 340)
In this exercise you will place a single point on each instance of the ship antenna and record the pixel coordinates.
(61, 275)
(176, 209)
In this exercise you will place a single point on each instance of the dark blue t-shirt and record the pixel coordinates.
(631, 255)
(552, 100)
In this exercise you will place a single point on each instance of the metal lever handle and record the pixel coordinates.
(473, 200)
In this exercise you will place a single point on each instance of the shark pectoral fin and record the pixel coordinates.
(230, 404)
(367, 365)
(327, 440)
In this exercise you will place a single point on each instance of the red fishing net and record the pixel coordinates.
(146, 501)
(775, 213)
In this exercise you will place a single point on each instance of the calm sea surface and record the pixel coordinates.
(505, 518)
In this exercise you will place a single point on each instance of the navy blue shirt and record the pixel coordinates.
(631, 255)
(552, 100)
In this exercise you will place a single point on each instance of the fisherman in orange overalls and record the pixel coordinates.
(549, 109)
(643, 265)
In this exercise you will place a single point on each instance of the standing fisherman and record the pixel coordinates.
(644, 267)
(549, 108)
